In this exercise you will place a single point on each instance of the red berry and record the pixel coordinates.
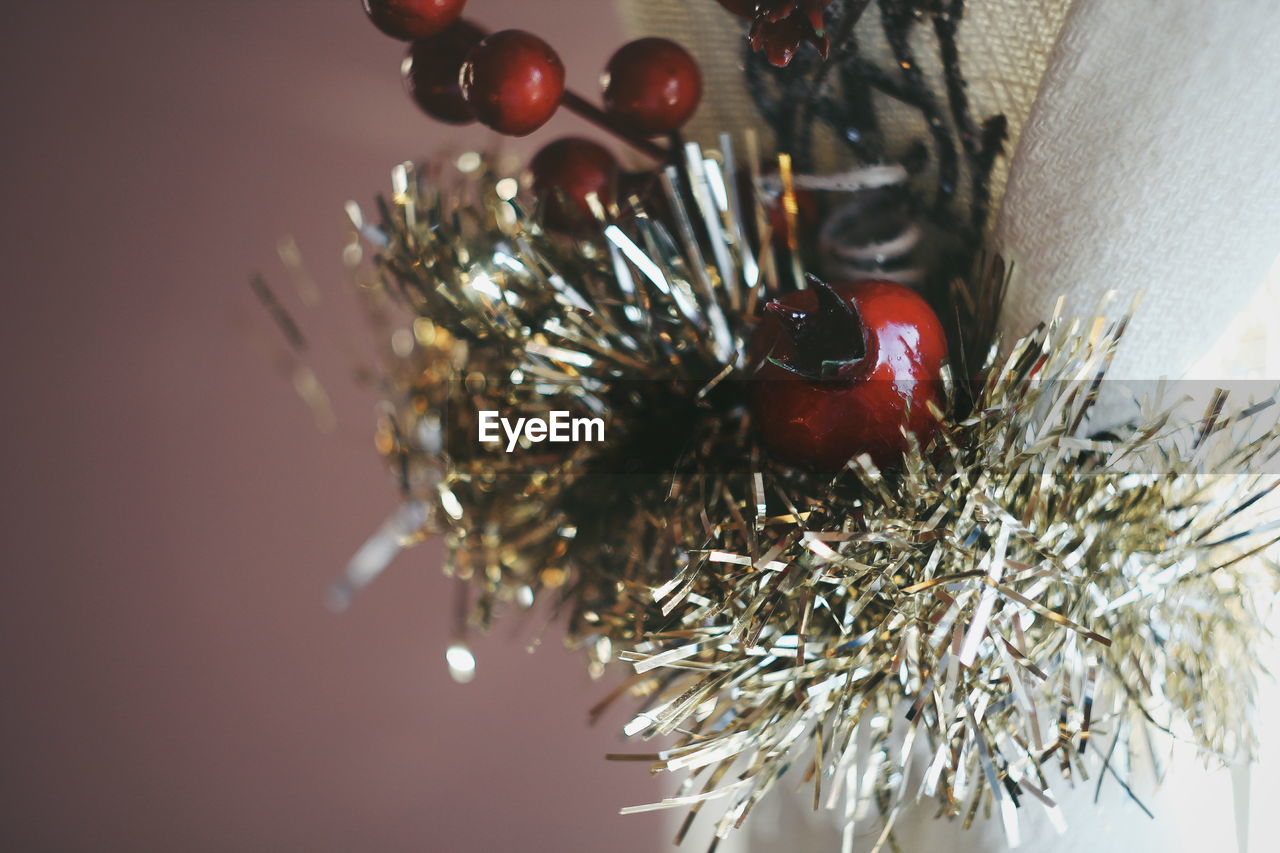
(652, 86)
(513, 81)
(413, 19)
(842, 371)
(565, 173)
(431, 73)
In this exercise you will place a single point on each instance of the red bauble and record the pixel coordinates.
(432, 69)
(842, 371)
(513, 82)
(413, 19)
(652, 86)
(565, 173)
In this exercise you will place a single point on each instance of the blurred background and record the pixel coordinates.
(172, 679)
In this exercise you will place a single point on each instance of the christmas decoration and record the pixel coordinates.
(652, 86)
(831, 529)
(513, 81)
(431, 73)
(413, 19)
(1016, 607)
(837, 372)
(779, 26)
(568, 171)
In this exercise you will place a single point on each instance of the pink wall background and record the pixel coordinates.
(171, 677)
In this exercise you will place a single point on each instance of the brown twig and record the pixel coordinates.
(579, 105)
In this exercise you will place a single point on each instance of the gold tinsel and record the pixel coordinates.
(1007, 610)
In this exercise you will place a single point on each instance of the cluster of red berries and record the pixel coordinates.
(513, 82)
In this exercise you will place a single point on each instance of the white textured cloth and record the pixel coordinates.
(1150, 163)
(1146, 140)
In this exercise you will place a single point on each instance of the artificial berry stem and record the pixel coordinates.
(575, 103)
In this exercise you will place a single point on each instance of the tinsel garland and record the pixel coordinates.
(1010, 608)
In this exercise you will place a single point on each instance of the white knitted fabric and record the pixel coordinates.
(1149, 164)
(1146, 157)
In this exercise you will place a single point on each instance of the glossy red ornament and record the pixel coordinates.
(652, 86)
(431, 73)
(413, 19)
(513, 81)
(565, 172)
(779, 26)
(839, 371)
